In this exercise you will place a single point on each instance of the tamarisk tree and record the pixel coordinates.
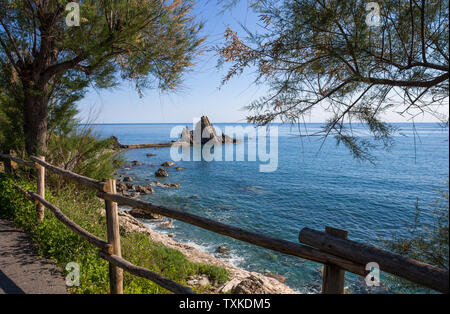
(353, 59)
(49, 54)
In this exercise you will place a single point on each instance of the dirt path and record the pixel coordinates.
(22, 271)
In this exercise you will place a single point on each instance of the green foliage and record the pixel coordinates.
(47, 63)
(323, 54)
(426, 242)
(80, 151)
(57, 242)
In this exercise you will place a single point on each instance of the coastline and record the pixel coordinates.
(238, 276)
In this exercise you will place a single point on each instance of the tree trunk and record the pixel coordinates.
(36, 109)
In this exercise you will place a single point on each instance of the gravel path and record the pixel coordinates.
(22, 271)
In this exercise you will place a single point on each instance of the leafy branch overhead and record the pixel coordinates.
(319, 53)
(151, 43)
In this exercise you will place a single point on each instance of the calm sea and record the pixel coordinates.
(314, 186)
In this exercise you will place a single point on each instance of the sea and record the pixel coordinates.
(316, 183)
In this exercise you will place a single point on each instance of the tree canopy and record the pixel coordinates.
(150, 42)
(354, 61)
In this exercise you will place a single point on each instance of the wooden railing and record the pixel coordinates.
(331, 248)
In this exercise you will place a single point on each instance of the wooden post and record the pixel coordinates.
(40, 177)
(333, 276)
(112, 221)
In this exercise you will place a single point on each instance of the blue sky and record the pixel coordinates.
(201, 92)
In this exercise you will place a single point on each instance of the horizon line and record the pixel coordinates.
(403, 122)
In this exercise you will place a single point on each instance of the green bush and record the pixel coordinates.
(425, 242)
(57, 242)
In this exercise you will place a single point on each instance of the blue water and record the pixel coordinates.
(313, 187)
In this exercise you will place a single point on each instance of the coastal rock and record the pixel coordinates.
(150, 155)
(127, 179)
(167, 164)
(278, 277)
(168, 224)
(121, 187)
(171, 235)
(203, 133)
(229, 286)
(166, 185)
(171, 185)
(135, 163)
(161, 173)
(250, 285)
(129, 224)
(144, 189)
(199, 281)
(179, 169)
(131, 194)
(129, 186)
(223, 249)
(143, 214)
(186, 136)
(115, 143)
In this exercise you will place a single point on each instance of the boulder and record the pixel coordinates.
(223, 249)
(143, 214)
(129, 186)
(115, 143)
(171, 185)
(186, 136)
(250, 285)
(144, 189)
(167, 164)
(127, 179)
(179, 169)
(134, 194)
(161, 172)
(278, 277)
(135, 163)
(150, 155)
(205, 131)
(202, 280)
(229, 286)
(121, 187)
(168, 224)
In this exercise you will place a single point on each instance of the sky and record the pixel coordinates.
(201, 92)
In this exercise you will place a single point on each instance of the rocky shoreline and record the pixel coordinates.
(241, 281)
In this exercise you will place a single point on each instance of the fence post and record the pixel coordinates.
(40, 177)
(7, 163)
(333, 276)
(112, 221)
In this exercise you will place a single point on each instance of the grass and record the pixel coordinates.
(55, 241)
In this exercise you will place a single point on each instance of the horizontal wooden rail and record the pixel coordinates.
(146, 273)
(98, 185)
(267, 242)
(17, 160)
(320, 247)
(103, 245)
(412, 270)
(107, 249)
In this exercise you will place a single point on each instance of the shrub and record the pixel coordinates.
(55, 241)
(426, 242)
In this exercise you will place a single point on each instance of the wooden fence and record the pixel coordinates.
(331, 248)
